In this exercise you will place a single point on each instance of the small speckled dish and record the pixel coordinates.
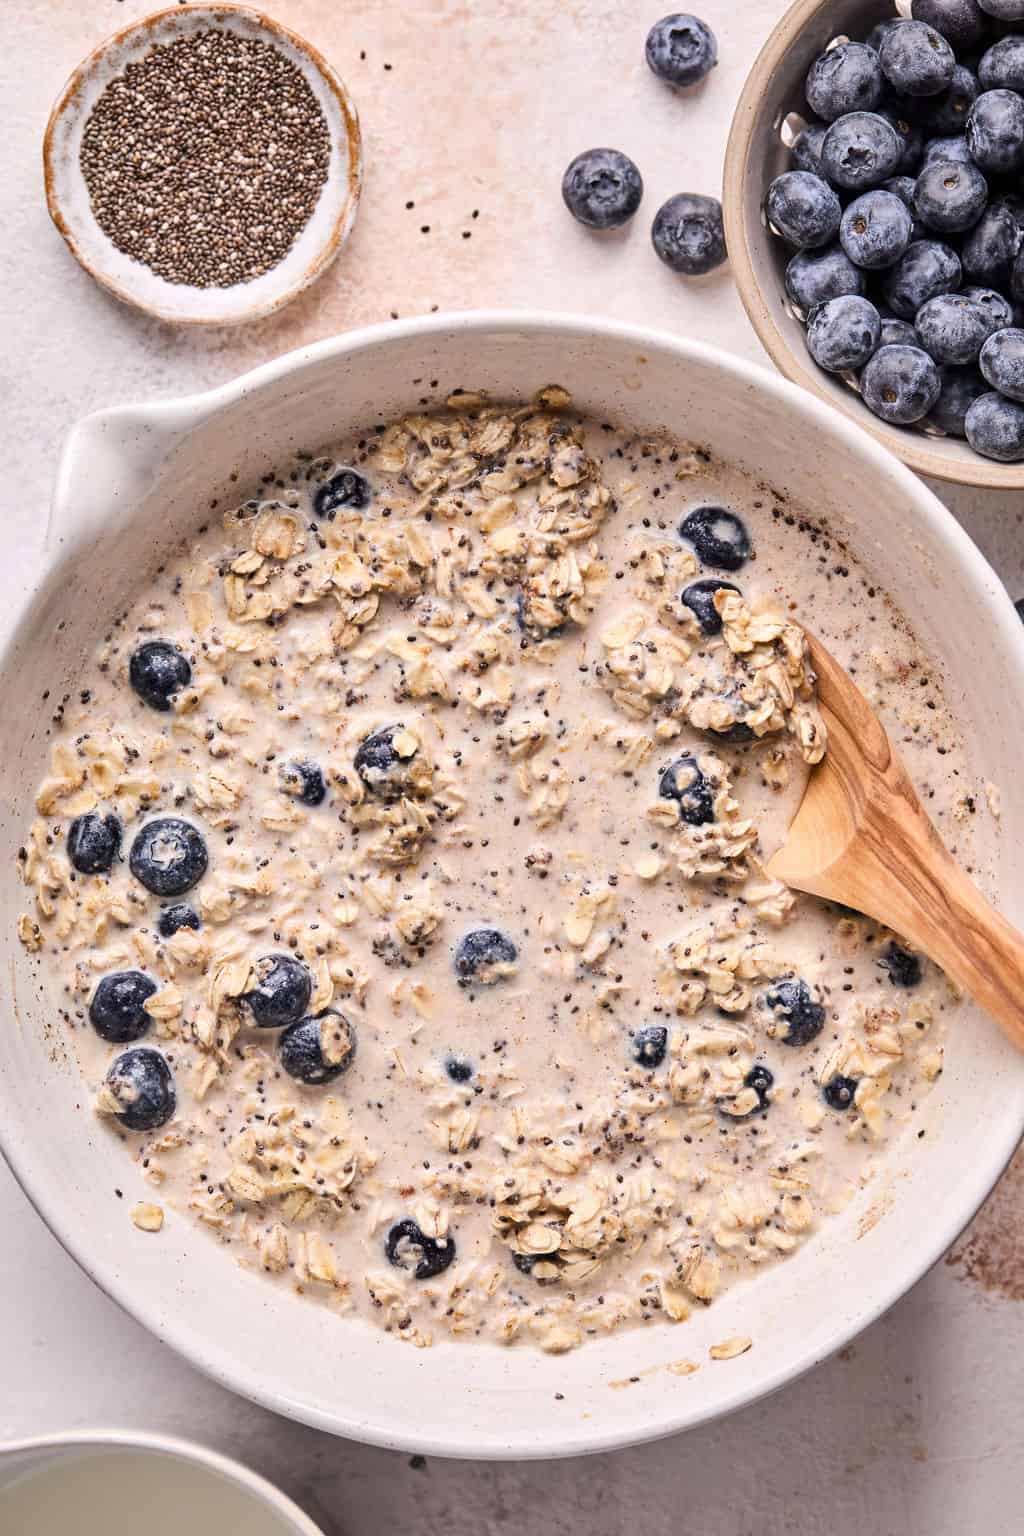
(68, 199)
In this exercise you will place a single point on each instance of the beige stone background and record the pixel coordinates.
(478, 106)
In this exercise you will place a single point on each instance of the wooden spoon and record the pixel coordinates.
(861, 837)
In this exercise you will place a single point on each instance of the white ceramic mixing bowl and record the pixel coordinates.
(131, 482)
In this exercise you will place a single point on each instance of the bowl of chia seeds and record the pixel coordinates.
(204, 164)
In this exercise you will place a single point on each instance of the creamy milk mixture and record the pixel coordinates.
(419, 942)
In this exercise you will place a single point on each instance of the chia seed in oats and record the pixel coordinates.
(205, 159)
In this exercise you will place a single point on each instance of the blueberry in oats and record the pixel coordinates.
(840, 1092)
(903, 966)
(916, 59)
(158, 671)
(719, 537)
(649, 1045)
(94, 842)
(876, 229)
(994, 426)
(305, 780)
(814, 277)
(688, 234)
(408, 1247)
(172, 919)
(346, 491)
(761, 1080)
(383, 761)
(681, 49)
(484, 956)
(168, 856)
(684, 782)
(803, 209)
(797, 1011)
(842, 334)
(459, 1068)
(318, 1049)
(900, 384)
(699, 597)
(844, 79)
(860, 150)
(139, 1090)
(280, 992)
(602, 188)
(117, 1009)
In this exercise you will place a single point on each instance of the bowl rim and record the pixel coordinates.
(911, 447)
(246, 1378)
(339, 230)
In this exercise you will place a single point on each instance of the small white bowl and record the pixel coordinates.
(67, 196)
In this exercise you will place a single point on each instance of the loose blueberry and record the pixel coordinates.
(910, 137)
(157, 671)
(688, 234)
(998, 309)
(952, 328)
(699, 597)
(761, 1080)
(482, 955)
(949, 197)
(181, 915)
(995, 131)
(794, 1006)
(989, 250)
(602, 188)
(681, 49)
(94, 842)
(995, 427)
(1002, 362)
(459, 1068)
(406, 1244)
(875, 229)
(1002, 67)
(916, 59)
(959, 390)
(806, 151)
(116, 1010)
(1004, 10)
(304, 780)
(814, 277)
(903, 965)
(718, 536)
(168, 856)
(380, 767)
(1017, 279)
(900, 384)
(839, 1091)
(142, 1084)
(683, 782)
(650, 1045)
(927, 267)
(961, 22)
(896, 333)
(860, 150)
(317, 1049)
(845, 79)
(803, 208)
(952, 149)
(947, 113)
(878, 31)
(843, 333)
(903, 188)
(347, 490)
(281, 991)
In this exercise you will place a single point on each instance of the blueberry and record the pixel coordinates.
(649, 1045)
(181, 915)
(168, 856)
(916, 59)
(961, 22)
(803, 208)
(927, 267)
(814, 277)
(998, 310)
(995, 131)
(317, 1050)
(806, 151)
(844, 79)
(482, 955)
(1004, 10)
(793, 1005)
(681, 49)
(947, 113)
(903, 188)
(688, 234)
(995, 428)
(878, 31)
(384, 773)
(903, 965)
(839, 1091)
(281, 992)
(959, 390)
(699, 597)
(761, 1080)
(1017, 278)
(718, 536)
(525, 1262)
(860, 150)
(346, 490)
(157, 671)
(683, 782)
(116, 1010)
(94, 842)
(1002, 67)
(843, 333)
(952, 149)
(900, 384)
(952, 328)
(142, 1084)
(459, 1068)
(304, 780)
(949, 197)
(910, 137)
(602, 188)
(1002, 361)
(875, 229)
(896, 332)
(989, 250)
(407, 1243)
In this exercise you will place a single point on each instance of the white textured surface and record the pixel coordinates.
(917, 1431)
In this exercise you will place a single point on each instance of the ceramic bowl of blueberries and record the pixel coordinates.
(136, 481)
(874, 212)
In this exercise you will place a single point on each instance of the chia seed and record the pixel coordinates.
(204, 160)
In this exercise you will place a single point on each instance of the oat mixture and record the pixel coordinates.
(399, 879)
